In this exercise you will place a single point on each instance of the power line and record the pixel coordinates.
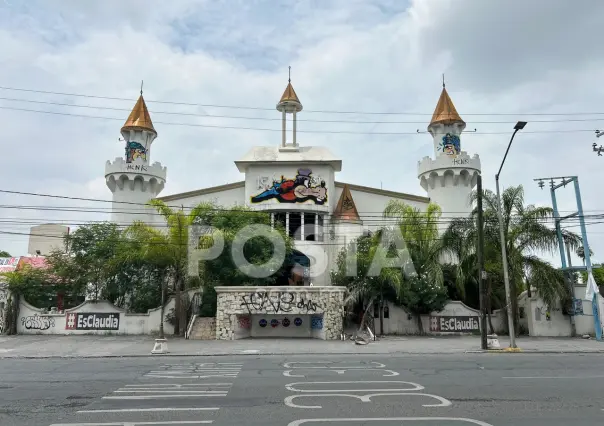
(272, 109)
(211, 126)
(66, 197)
(279, 119)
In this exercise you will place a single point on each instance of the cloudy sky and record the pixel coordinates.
(504, 60)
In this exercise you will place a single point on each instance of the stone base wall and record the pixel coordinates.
(203, 329)
(237, 303)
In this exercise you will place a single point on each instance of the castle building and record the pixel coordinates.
(296, 184)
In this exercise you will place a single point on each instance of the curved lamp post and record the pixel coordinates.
(508, 299)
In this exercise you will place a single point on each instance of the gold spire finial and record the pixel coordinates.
(445, 112)
(289, 78)
(139, 118)
(346, 209)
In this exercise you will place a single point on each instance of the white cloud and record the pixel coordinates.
(499, 56)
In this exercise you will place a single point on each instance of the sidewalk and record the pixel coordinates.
(40, 346)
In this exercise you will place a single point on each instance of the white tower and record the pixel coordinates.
(450, 177)
(289, 104)
(132, 179)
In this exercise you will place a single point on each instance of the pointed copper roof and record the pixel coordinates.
(139, 118)
(289, 94)
(445, 112)
(346, 209)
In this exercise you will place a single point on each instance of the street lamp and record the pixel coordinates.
(506, 279)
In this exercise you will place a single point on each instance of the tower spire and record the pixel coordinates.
(445, 112)
(139, 118)
(289, 104)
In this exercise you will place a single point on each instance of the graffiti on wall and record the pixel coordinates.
(450, 144)
(304, 187)
(36, 322)
(244, 321)
(135, 150)
(282, 301)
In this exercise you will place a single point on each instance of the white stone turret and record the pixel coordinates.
(450, 177)
(132, 179)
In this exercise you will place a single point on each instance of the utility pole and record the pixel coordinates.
(565, 180)
(481, 271)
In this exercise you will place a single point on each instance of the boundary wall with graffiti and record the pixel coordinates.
(91, 318)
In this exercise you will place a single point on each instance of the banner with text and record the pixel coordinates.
(454, 324)
(92, 321)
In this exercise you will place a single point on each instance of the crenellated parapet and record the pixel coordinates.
(461, 170)
(121, 175)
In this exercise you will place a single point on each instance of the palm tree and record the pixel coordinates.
(526, 234)
(581, 253)
(424, 290)
(364, 289)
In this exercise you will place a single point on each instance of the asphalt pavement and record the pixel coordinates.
(497, 389)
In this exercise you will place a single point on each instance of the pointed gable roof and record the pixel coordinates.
(445, 112)
(346, 208)
(289, 95)
(139, 118)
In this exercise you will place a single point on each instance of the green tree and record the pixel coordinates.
(526, 234)
(258, 250)
(424, 290)
(89, 249)
(4, 253)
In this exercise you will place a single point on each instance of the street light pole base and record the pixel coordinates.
(493, 342)
(160, 346)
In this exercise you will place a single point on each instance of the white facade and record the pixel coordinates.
(297, 184)
(45, 238)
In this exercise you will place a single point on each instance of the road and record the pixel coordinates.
(428, 390)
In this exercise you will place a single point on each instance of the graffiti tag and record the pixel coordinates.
(37, 322)
(276, 302)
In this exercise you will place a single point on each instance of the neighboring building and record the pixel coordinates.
(297, 184)
(45, 238)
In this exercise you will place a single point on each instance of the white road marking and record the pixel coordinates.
(206, 395)
(555, 377)
(132, 410)
(177, 422)
(250, 351)
(366, 398)
(157, 376)
(291, 387)
(390, 419)
(290, 365)
(174, 385)
(168, 391)
(287, 373)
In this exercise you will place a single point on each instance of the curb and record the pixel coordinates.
(222, 354)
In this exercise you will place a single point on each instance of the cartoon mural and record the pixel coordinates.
(450, 144)
(135, 150)
(298, 190)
